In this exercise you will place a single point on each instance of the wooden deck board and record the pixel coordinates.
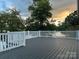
(44, 48)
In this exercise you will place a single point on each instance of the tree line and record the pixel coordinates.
(40, 11)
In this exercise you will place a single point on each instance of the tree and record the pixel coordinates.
(40, 12)
(9, 21)
(63, 27)
(72, 19)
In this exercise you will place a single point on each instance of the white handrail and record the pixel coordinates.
(12, 40)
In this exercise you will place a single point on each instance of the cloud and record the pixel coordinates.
(10, 5)
(57, 4)
(2, 5)
(21, 5)
(61, 15)
(62, 8)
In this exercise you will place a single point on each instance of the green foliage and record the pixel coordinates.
(40, 12)
(9, 21)
(72, 19)
(63, 27)
(35, 26)
(50, 27)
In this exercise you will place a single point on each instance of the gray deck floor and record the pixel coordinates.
(44, 48)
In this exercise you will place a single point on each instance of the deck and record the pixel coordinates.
(44, 48)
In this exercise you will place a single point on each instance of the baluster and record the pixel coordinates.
(1, 46)
(8, 42)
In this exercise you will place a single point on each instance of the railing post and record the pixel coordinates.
(1, 44)
(77, 35)
(8, 39)
(39, 33)
(28, 33)
(24, 40)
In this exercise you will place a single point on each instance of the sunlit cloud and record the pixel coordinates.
(62, 13)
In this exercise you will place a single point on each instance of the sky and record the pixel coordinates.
(21, 5)
(61, 8)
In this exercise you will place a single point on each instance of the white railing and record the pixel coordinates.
(12, 40)
(32, 34)
(60, 34)
(53, 34)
